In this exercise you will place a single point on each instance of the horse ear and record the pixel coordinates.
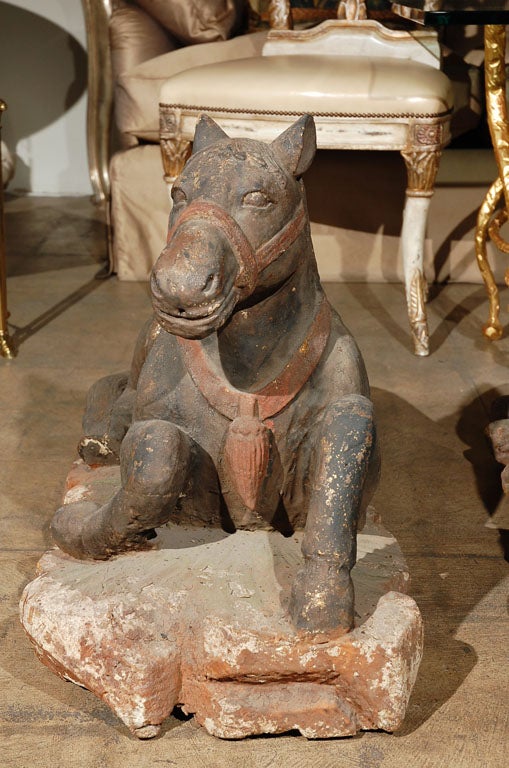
(296, 146)
(207, 132)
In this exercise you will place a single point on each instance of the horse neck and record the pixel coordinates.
(259, 339)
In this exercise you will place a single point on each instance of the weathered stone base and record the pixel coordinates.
(202, 623)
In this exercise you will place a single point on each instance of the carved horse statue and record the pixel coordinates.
(247, 404)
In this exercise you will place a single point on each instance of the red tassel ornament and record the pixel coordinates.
(247, 452)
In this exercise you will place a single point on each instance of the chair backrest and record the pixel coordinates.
(352, 10)
(351, 34)
(281, 13)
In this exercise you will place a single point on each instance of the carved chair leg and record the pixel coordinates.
(175, 152)
(412, 247)
(175, 149)
(421, 167)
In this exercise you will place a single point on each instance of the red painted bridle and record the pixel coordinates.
(251, 261)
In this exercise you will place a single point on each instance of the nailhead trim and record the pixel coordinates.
(284, 113)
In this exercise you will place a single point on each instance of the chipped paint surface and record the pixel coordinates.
(101, 449)
(77, 493)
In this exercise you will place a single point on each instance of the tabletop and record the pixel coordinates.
(443, 12)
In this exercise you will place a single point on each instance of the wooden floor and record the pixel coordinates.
(439, 487)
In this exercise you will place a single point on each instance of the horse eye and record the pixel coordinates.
(256, 199)
(178, 195)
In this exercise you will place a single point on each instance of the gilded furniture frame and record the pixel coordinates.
(491, 216)
(100, 95)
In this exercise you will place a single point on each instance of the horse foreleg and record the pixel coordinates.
(322, 595)
(110, 404)
(107, 417)
(154, 460)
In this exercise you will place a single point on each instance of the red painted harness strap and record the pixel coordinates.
(251, 262)
(273, 248)
(206, 212)
(275, 395)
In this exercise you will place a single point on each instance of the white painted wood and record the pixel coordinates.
(331, 133)
(415, 217)
(350, 38)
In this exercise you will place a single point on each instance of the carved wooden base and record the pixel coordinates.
(202, 623)
(422, 166)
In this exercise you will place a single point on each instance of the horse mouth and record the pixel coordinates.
(199, 321)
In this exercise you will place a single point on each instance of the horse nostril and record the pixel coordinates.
(210, 283)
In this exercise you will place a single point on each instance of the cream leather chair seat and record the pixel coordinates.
(137, 89)
(366, 86)
(328, 87)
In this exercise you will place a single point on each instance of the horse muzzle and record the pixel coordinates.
(209, 265)
(193, 282)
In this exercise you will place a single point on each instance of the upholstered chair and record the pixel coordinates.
(138, 48)
(367, 86)
(123, 35)
(133, 46)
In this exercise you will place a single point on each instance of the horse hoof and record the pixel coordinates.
(81, 529)
(322, 597)
(69, 525)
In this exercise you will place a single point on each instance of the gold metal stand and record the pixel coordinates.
(489, 219)
(6, 348)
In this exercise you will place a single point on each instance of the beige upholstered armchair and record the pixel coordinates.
(368, 86)
(123, 34)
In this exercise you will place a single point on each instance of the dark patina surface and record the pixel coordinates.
(247, 405)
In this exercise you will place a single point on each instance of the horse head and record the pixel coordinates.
(237, 221)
